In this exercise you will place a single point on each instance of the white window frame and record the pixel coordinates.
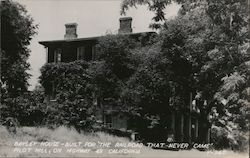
(58, 55)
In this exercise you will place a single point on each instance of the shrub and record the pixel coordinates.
(25, 110)
(74, 95)
(228, 138)
(78, 114)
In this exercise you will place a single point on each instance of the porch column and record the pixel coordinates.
(182, 127)
(196, 128)
(208, 135)
(189, 128)
(190, 118)
(173, 125)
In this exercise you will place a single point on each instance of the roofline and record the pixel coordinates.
(45, 43)
(69, 40)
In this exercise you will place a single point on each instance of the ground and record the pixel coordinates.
(65, 142)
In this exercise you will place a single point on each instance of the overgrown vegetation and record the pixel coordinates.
(204, 50)
(63, 135)
(74, 106)
(26, 110)
(79, 84)
(17, 29)
(60, 134)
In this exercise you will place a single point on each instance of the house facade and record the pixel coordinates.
(185, 124)
(72, 48)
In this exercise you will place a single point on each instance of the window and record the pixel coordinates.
(88, 53)
(58, 55)
(80, 53)
(108, 121)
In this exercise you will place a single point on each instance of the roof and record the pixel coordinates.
(46, 43)
(95, 39)
(125, 18)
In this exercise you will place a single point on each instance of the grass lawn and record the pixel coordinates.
(65, 142)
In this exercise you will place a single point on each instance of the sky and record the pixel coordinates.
(94, 18)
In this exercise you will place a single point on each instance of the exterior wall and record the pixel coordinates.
(69, 51)
(184, 124)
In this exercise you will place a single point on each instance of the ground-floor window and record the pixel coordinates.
(108, 121)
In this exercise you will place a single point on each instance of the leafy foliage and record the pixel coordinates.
(79, 83)
(28, 109)
(73, 93)
(157, 6)
(62, 74)
(113, 67)
(204, 51)
(17, 30)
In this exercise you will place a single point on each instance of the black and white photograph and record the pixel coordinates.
(125, 78)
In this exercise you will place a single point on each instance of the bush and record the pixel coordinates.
(233, 139)
(76, 113)
(30, 110)
(74, 95)
(25, 110)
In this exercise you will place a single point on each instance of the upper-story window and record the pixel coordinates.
(85, 52)
(58, 55)
(80, 53)
(88, 53)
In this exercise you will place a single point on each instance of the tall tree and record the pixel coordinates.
(17, 29)
(156, 6)
(211, 38)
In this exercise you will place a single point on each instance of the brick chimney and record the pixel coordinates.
(70, 31)
(125, 25)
